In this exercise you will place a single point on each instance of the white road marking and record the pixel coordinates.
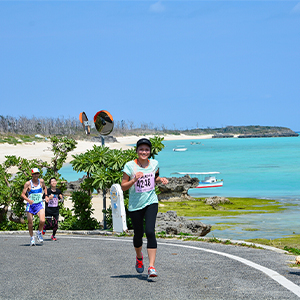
(272, 274)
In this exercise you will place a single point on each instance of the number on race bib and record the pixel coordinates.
(53, 202)
(36, 197)
(145, 183)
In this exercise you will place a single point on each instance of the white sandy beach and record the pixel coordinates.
(41, 150)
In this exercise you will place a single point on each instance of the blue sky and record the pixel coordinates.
(180, 64)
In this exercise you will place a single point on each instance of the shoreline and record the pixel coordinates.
(42, 150)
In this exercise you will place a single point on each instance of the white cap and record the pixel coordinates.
(35, 170)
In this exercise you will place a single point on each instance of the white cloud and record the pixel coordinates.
(296, 9)
(157, 7)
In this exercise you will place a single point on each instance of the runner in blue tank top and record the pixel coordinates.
(33, 193)
(139, 177)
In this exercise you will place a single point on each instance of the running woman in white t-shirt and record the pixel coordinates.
(139, 177)
(33, 193)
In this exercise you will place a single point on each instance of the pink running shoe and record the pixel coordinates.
(139, 266)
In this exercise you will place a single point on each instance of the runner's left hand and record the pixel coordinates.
(164, 180)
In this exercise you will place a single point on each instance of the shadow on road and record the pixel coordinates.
(138, 276)
(295, 273)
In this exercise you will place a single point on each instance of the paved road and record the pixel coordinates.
(99, 267)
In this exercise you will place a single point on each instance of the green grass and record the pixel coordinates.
(183, 237)
(221, 227)
(15, 139)
(295, 251)
(239, 206)
(294, 266)
(289, 243)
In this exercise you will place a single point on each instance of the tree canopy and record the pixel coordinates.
(12, 184)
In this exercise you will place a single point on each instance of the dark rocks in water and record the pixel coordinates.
(177, 188)
(262, 135)
(215, 201)
(171, 224)
(257, 135)
(222, 135)
(73, 186)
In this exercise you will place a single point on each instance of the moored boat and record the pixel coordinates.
(180, 148)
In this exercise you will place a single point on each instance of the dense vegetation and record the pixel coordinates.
(12, 206)
(103, 167)
(22, 129)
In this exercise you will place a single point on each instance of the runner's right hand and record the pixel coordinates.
(138, 175)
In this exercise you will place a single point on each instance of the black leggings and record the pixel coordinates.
(51, 223)
(137, 217)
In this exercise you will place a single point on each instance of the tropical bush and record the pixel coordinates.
(104, 166)
(11, 186)
(82, 209)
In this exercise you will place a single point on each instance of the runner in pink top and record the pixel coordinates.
(52, 208)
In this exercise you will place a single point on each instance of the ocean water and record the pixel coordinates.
(255, 167)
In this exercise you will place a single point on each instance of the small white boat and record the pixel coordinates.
(180, 149)
(206, 179)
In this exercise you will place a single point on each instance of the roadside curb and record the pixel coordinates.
(110, 233)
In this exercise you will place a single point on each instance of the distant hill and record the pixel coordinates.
(244, 131)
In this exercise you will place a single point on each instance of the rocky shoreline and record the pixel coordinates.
(171, 224)
(177, 188)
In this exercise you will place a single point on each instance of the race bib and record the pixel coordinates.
(36, 197)
(53, 202)
(145, 183)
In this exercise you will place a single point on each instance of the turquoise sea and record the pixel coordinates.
(255, 167)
